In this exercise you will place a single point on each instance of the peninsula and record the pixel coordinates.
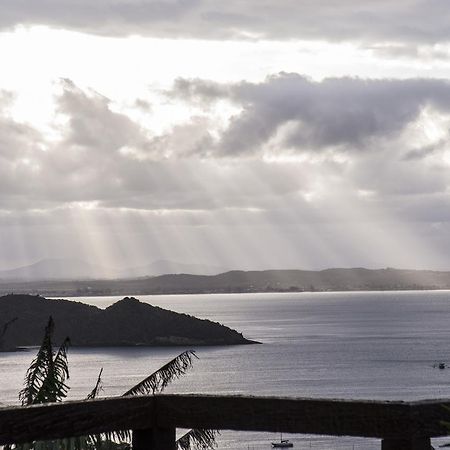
(127, 322)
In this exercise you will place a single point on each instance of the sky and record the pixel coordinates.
(246, 134)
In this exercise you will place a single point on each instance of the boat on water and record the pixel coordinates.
(284, 443)
(441, 365)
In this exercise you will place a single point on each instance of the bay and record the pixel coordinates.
(366, 345)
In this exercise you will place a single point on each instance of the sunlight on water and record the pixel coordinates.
(349, 345)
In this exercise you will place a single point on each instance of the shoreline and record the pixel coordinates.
(63, 295)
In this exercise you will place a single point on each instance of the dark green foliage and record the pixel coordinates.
(97, 388)
(197, 438)
(156, 383)
(159, 380)
(45, 380)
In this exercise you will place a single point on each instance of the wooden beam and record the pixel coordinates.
(70, 419)
(154, 439)
(379, 419)
(406, 444)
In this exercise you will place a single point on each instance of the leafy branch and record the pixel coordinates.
(160, 379)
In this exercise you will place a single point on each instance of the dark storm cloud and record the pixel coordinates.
(424, 21)
(343, 113)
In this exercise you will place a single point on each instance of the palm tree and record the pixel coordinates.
(46, 377)
(45, 381)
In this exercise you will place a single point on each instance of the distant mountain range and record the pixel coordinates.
(241, 281)
(164, 266)
(74, 269)
(55, 269)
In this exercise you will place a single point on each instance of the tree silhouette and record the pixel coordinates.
(45, 381)
(46, 377)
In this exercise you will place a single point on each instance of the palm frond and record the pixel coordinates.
(97, 388)
(154, 383)
(37, 371)
(97, 441)
(158, 381)
(60, 364)
(198, 438)
(72, 443)
(122, 437)
(45, 378)
(113, 440)
(54, 387)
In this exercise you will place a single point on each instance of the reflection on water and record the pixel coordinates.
(349, 345)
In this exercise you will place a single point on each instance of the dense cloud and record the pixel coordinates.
(17, 140)
(283, 172)
(345, 135)
(413, 21)
(348, 154)
(346, 114)
(107, 183)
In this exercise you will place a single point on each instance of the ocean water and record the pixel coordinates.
(366, 345)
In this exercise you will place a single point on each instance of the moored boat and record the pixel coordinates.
(284, 443)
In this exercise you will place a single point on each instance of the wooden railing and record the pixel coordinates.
(154, 419)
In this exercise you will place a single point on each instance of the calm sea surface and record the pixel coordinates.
(367, 345)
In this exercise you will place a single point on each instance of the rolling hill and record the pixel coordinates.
(127, 322)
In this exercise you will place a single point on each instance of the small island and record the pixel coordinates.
(127, 322)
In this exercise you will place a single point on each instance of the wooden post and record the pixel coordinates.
(154, 439)
(406, 444)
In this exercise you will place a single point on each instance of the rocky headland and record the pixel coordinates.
(127, 322)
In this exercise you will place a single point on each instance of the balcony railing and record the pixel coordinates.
(154, 419)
